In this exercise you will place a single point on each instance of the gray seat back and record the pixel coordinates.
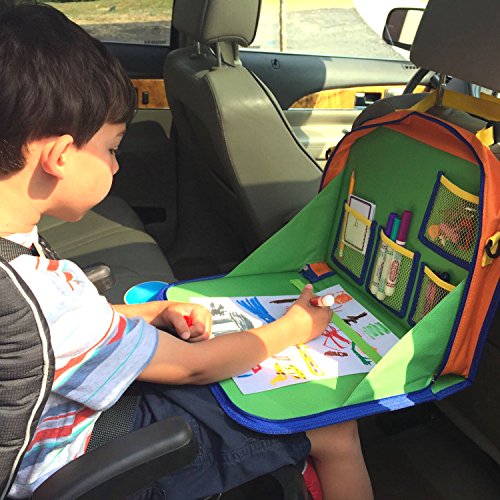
(232, 133)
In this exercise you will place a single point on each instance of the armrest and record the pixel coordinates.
(124, 465)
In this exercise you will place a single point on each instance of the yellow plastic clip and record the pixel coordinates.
(491, 250)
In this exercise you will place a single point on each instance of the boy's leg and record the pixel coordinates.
(229, 455)
(339, 462)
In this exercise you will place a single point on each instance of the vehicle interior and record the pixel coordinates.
(235, 153)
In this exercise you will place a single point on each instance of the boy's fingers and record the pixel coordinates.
(306, 294)
(199, 331)
(180, 325)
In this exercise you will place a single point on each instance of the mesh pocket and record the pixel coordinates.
(451, 222)
(353, 243)
(431, 291)
(392, 274)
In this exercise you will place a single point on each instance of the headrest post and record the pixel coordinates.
(440, 90)
(198, 48)
(236, 54)
(218, 54)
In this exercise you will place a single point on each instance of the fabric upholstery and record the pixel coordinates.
(238, 144)
(111, 234)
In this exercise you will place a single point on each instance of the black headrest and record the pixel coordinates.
(460, 38)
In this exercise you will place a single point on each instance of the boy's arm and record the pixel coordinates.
(178, 362)
(191, 322)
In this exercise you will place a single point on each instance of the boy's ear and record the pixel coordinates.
(54, 156)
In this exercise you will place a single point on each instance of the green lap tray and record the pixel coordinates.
(412, 364)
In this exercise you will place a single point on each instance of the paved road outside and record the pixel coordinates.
(327, 27)
(340, 32)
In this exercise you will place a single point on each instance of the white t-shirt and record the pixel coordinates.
(98, 354)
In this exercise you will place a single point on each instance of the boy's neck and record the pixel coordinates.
(18, 212)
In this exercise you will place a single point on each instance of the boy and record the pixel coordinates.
(64, 103)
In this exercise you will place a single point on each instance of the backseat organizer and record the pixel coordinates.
(447, 291)
(112, 234)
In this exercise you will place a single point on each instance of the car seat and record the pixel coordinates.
(464, 47)
(111, 233)
(117, 462)
(234, 141)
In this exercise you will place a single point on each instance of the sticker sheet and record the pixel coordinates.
(330, 355)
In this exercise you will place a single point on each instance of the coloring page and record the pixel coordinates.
(330, 355)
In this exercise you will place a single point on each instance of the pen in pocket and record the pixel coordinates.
(392, 277)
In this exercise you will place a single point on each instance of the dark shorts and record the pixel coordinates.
(229, 454)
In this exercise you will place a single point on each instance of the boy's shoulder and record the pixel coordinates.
(59, 286)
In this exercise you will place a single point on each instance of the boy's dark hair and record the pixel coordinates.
(55, 79)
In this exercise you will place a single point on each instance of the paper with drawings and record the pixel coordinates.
(330, 355)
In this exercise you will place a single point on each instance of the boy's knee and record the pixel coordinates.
(339, 440)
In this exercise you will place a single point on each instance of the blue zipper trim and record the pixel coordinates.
(452, 389)
(483, 334)
(194, 280)
(328, 417)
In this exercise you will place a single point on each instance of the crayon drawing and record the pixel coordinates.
(330, 355)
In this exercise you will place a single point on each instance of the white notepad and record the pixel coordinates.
(357, 234)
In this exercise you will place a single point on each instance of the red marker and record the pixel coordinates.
(189, 321)
(324, 301)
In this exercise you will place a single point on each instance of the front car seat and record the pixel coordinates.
(233, 138)
(460, 38)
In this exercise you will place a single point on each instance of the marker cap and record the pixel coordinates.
(395, 228)
(327, 300)
(404, 227)
(390, 222)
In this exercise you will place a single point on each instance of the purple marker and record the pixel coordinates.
(379, 265)
(392, 277)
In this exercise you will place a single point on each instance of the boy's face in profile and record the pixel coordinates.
(88, 173)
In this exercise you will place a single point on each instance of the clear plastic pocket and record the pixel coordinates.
(353, 243)
(451, 223)
(392, 274)
(431, 290)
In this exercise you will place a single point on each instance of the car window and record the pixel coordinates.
(129, 21)
(350, 28)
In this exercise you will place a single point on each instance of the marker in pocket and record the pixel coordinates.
(379, 263)
(392, 277)
(387, 260)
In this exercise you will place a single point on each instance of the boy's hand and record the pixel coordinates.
(306, 321)
(191, 322)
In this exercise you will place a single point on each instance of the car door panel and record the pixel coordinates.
(147, 179)
(293, 76)
(339, 86)
(320, 129)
